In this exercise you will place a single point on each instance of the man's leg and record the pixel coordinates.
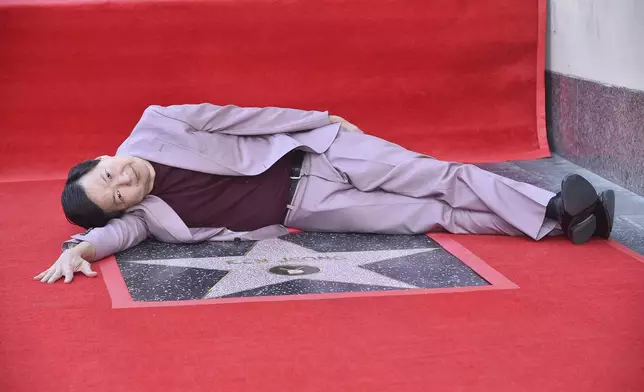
(323, 205)
(371, 163)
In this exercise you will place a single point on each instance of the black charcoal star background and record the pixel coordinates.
(342, 263)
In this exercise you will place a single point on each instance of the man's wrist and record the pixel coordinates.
(83, 249)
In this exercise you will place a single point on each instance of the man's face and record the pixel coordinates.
(117, 183)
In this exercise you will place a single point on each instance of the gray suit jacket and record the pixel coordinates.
(223, 140)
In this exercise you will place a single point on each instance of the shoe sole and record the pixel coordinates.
(581, 232)
(607, 199)
(577, 194)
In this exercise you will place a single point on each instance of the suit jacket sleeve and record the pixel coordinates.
(119, 234)
(239, 121)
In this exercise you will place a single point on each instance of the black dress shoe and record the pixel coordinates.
(574, 208)
(605, 214)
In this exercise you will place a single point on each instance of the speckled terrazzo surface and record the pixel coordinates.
(301, 263)
(309, 263)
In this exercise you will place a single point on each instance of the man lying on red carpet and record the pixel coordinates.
(193, 173)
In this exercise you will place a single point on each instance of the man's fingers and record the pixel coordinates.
(351, 127)
(86, 269)
(57, 271)
(68, 272)
(48, 274)
(56, 275)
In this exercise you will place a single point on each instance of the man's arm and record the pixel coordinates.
(240, 121)
(95, 244)
(119, 234)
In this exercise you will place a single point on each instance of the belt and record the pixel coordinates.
(296, 174)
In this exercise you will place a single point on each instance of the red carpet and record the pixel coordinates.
(456, 79)
(575, 324)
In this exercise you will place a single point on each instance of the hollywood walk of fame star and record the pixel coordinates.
(251, 271)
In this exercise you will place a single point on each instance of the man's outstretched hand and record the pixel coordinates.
(70, 261)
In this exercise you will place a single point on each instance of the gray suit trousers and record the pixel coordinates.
(366, 184)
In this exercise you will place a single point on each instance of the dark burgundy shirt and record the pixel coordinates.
(237, 203)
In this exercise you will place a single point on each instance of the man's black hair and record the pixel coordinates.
(78, 208)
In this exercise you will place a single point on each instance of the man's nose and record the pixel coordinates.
(123, 179)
